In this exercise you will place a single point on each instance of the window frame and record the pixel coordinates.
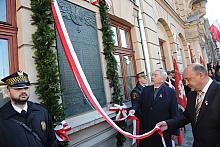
(8, 31)
(121, 52)
(163, 58)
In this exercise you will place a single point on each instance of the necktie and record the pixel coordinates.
(155, 92)
(24, 114)
(198, 103)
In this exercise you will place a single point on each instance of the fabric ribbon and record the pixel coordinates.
(60, 131)
(122, 112)
(80, 76)
(136, 127)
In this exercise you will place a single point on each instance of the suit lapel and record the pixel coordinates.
(193, 98)
(210, 94)
(151, 95)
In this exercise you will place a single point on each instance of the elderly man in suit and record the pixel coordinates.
(157, 102)
(202, 110)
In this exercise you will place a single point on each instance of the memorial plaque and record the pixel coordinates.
(81, 26)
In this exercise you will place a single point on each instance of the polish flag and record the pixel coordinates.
(94, 2)
(190, 52)
(108, 2)
(216, 33)
(181, 96)
(202, 61)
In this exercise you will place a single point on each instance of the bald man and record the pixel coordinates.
(202, 110)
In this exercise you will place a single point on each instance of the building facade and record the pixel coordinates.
(148, 34)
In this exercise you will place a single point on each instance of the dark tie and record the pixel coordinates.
(155, 92)
(24, 114)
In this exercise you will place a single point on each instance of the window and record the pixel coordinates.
(8, 38)
(3, 10)
(124, 56)
(4, 64)
(161, 42)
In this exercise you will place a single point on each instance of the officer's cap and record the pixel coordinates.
(140, 74)
(17, 80)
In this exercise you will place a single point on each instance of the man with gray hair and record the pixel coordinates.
(202, 110)
(157, 102)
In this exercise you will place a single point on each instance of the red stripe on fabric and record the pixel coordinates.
(81, 83)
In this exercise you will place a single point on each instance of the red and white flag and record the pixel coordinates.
(181, 96)
(108, 2)
(190, 52)
(61, 131)
(202, 61)
(82, 80)
(216, 33)
(94, 2)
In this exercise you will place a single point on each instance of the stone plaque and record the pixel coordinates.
(81, 26)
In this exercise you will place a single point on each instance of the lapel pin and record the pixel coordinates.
(206, 103)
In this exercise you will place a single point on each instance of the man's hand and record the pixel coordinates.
(131, 112)
(162, 125)
(174, 137)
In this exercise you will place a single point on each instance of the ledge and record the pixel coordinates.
(83, 121)
(89, 119)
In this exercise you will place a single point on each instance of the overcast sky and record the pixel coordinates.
(213, 11)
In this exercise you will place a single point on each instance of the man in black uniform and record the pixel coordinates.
(135, 93)
(24, 123)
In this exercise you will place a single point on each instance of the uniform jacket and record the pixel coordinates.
(137, 91)
(135, 94)
(206, 130)
(163, 106)
(14, 135)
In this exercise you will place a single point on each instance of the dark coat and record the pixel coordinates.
(14, 135)
(135, 94)
(163, 106)
(206, 130)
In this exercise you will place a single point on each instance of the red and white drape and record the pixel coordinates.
(81, 78)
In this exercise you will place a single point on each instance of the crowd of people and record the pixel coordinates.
(24, 123)
(156, 104)
(214, 71)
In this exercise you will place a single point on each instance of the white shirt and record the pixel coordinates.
(205, 89)
(19, 109)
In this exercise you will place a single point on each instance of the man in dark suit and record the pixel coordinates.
(157, 102)
(202, 110)
(24, 123)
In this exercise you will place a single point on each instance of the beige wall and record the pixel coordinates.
(84, 125)
(160, 21)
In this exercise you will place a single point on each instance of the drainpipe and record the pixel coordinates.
(144, 41)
